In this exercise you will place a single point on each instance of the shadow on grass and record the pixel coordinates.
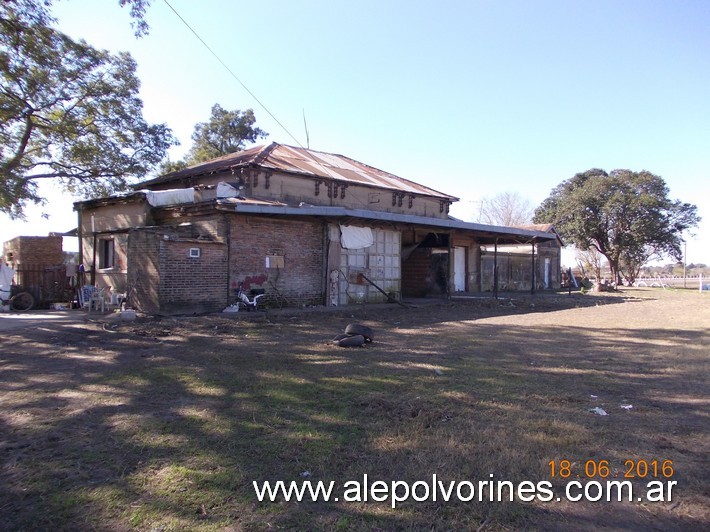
(168, 425)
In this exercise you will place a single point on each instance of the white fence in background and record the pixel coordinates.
(674, 281)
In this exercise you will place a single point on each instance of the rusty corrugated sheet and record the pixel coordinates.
(342, 168)
(249, 201)
(279, 157)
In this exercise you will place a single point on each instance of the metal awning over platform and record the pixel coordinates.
(486, 234)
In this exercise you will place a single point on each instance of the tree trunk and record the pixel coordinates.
(615, 273)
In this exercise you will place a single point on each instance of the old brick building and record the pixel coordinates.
(306, 227)
(40, 267)
(33, 251)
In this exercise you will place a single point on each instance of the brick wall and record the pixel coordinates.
(33, 250)
(300, 242)
(193, 284)
(425, 273)
(415, 271)
(164, 279)
(212, 228)
(144, 270)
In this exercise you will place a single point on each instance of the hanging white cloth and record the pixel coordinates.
(353, 237)
(160, 198)
(6, 275)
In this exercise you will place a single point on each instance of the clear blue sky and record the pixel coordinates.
(468, 97)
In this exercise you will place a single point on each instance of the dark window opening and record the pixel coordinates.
(106, 254)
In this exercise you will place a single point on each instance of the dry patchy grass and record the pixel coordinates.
(164, 424)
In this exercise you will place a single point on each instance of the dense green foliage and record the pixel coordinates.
(68, 112)
(627, 216)
(224, 133)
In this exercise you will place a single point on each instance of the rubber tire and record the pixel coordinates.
(363, 330)
(22, 302)
(357, 340)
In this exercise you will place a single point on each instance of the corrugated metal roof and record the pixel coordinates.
(249, 201)
(485, 233)
(545, 228)
(279, 157)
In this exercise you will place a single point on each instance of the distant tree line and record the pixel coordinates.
(675, 269)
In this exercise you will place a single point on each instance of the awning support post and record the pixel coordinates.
(532, 277)
(495, 269)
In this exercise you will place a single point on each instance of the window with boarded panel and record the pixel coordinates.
(381, 263)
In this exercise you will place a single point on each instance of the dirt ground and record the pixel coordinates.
(163, 423)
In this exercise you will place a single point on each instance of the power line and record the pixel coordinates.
(307, 150)
(232, 73)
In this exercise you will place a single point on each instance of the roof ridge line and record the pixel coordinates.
(395, 176)
(264, 153)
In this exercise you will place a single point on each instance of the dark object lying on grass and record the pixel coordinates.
(356, 335)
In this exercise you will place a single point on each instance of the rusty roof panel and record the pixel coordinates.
(279, 157)
(345, 169)
(249, 201)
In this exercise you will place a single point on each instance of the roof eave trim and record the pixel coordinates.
(390, 217)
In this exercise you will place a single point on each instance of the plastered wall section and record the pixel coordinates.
(319, 191)
(110, 222)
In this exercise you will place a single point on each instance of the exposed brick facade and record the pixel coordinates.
(165, 279)
(193, 284)
(415, 271)
(144, 270)
(425, 273)
(299, 242)
(281, 235)
(33, 250)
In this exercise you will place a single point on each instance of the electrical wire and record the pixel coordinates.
(214, 54)
(232, 73)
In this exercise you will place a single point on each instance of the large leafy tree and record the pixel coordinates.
(68, 112)
(225, 132)
(626, 216)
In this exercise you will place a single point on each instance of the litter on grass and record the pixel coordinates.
(626, 407)
(599, 411)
